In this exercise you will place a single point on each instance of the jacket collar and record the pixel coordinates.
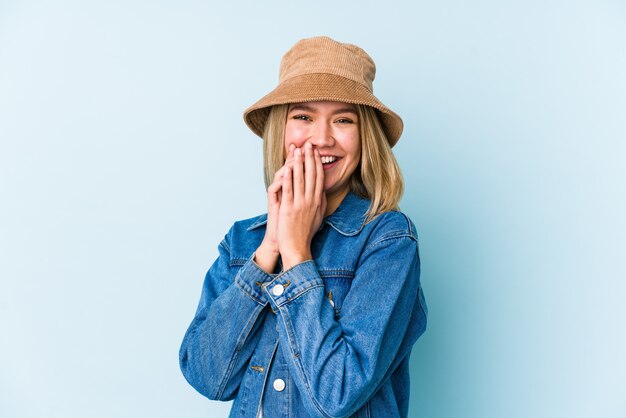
(348, 219)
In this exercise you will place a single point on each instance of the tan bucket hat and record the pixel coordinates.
(319, 69)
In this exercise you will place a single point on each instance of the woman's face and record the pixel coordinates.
(332, 128)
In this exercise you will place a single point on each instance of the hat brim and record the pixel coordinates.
(322, 87)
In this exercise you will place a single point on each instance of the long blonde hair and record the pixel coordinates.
(377, 177)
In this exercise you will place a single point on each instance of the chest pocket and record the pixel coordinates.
(336, 286)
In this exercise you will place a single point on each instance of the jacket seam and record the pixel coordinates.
(289, 270)
(225, 245)
(237, 262)
(300, 293)
(296, 353)
(389, 236)
(344, 273)
(260, 302)
(238, 346)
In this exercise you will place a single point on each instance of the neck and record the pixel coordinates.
(333, 200)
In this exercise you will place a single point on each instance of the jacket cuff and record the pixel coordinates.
(251, 278)
(292, 283)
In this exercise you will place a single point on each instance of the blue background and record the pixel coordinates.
(124, 160)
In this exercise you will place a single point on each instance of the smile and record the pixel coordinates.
(327, 159)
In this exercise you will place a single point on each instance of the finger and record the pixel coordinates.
(278, 176)
(309, 172)
(319, 174)
(287, 186)
(290, 155)
(272, 197)
(274, 189)
(298, 176)
(288, 161)
(290, 150)
(276, 186)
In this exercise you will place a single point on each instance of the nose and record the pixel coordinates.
(322, 135)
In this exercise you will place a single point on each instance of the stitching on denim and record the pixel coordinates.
(350, 233)
(387, 237)
(300, 292)
(290, 270)
(238, 346)
(225, 245)
(289, 379)
(251, 296)
(257, 224)
(266, 376)
(289, 328)
(343, 273)
(409, 225)
(237, 262)
(290, 334)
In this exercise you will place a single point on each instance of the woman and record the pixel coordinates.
(312, 309)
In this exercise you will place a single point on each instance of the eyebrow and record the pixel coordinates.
(306, 108)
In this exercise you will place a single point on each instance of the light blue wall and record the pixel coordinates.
(124, 160)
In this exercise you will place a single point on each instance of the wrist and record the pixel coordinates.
(268, 247)
(291, 259)
(266, 258)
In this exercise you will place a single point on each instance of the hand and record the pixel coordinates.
(266, 255)
(302, 206)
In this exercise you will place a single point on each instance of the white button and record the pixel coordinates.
(278, 290)
(331, 303)
(279, 385)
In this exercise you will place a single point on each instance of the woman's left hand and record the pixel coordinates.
(302, 206)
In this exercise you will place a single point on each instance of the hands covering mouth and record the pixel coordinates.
(296, 207)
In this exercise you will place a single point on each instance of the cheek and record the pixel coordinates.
(294, 134)
(355, 149)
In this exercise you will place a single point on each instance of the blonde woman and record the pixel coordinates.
(311, 310)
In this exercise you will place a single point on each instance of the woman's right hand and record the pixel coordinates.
(267, 253)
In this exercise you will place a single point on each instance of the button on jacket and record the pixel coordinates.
(329, 337)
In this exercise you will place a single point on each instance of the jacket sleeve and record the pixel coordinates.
(224, 332)
(340, 363)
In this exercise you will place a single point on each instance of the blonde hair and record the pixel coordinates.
(377, 177)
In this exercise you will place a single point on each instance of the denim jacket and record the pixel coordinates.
(329, 337)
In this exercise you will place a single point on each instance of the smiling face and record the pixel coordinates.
(332, 128)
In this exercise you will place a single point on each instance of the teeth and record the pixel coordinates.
(328, 159)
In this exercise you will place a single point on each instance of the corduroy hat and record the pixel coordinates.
(322, 69)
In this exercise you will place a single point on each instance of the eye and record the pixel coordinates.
(344, 120)
(301, 117)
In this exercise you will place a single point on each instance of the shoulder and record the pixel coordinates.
(392, 224)
(390, 236)
(244, 235)
(245, 226)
